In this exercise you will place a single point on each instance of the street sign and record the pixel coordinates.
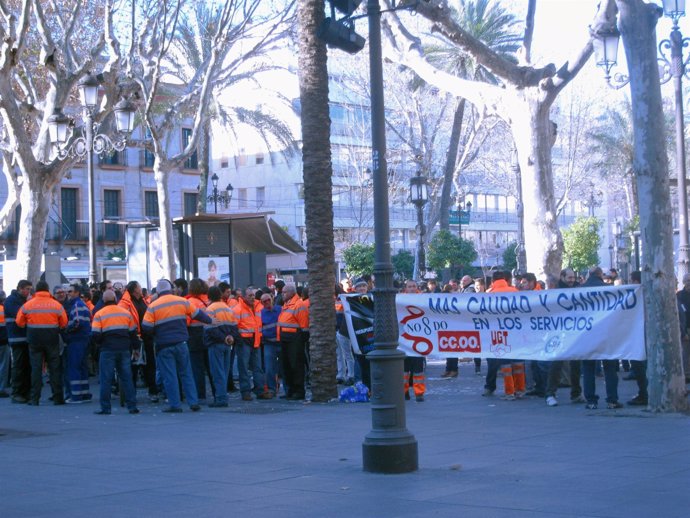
(461, 217)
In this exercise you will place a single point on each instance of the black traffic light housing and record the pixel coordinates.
(340, 34)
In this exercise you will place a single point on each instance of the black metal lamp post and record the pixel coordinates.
(91, 142)
(223, 197)
(670, 67)
(389, 447)
(419, 196)
(464, 210)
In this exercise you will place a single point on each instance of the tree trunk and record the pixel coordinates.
(650, 165)
(35, 202)
(451, 162)
(161, 173)
(318, 203)
(533, 133)
(203, 154)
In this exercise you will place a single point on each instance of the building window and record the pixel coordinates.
(151, 204)
(190, 201)
(111, 210)
(242, 198)
(116, 158)
(260, 196)
(68, 212)
(193, 161)
(149, 158)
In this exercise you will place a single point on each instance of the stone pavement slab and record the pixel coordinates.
(479, 457)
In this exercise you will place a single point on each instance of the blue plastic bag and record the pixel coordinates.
(357, 394)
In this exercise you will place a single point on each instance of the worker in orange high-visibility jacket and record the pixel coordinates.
(219, 339)
(197, 296)
(414, 365)
(247, 348)
(166, 320)
(513, 371)
(291, 321)
(114, 330)
(43, 317)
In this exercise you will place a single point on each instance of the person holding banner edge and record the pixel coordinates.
(596, 279)
(414, 365)
(513, 370)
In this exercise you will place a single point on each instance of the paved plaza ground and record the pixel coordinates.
(479, 457)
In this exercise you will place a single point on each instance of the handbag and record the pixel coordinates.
(139, 359)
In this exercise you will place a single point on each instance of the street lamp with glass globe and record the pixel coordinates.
(216, 196)
(673, 66)
(90, 142)
(419, 196)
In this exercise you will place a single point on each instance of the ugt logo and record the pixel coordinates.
(499, 343)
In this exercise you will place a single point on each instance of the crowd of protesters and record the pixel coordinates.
(179, 340)
(185, 341)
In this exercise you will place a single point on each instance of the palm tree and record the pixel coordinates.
(193, 47)
(611, 141)
(490, 23)
(318, 208)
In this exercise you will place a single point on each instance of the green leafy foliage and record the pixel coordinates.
(403, 264)
(510, 257)
(581, 242)
(359, 259)
(446, 250)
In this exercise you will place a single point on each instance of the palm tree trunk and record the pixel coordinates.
(318, 202)
(451, 159)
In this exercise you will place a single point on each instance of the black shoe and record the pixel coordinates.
(19, 400)
(232, 388)
(295, 397)
(3, 394)
(171, 410)
(102, 412)
(638, 401)
(133, 410)
(340, 381)
(32, 403)
(217, 405)
(349, 382)
(195, 408)
(58, 402)
(535, 393)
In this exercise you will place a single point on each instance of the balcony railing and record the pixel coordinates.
(79, 233)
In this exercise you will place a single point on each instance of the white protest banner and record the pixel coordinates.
(602, 323)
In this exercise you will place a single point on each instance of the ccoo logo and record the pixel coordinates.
(459, 341)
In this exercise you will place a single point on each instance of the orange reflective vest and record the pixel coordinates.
(126, 303)
(247, 323)
(501, 285)
(197, 303)
(292, 319)
(42, 312)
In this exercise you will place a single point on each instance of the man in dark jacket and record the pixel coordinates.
(596, 280)
(115, 332)
(567, 280)
(77, 335)
(16, 336)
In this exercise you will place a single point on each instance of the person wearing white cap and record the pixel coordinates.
(166, 320)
